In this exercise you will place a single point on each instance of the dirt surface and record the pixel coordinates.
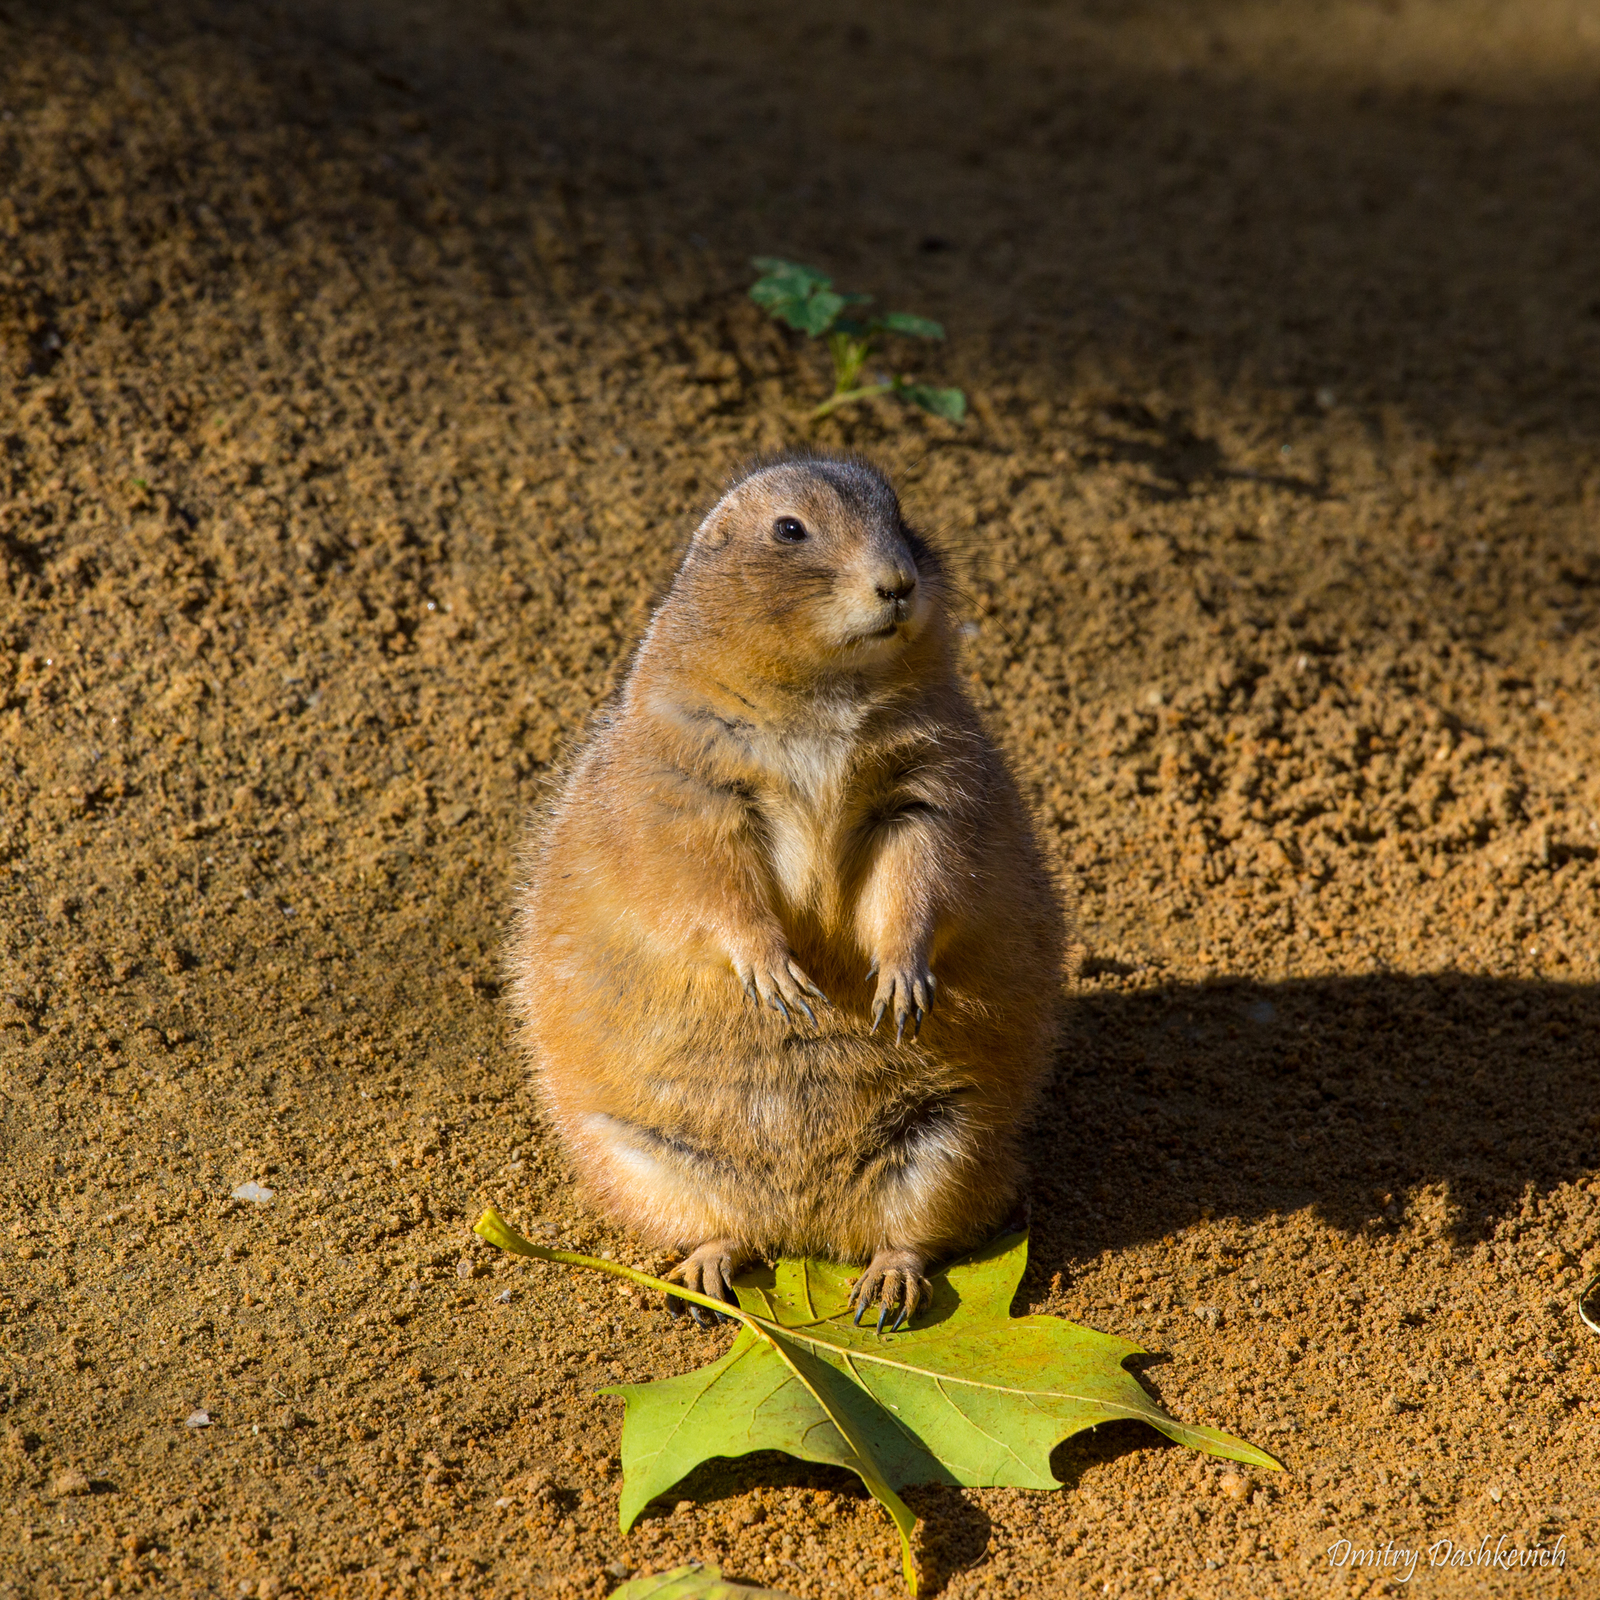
(363, 372)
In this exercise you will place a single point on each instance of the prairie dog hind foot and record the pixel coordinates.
(896, 1281)
(710, 1271)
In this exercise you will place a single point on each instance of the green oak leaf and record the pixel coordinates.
(693, 1582)
(967, 1395)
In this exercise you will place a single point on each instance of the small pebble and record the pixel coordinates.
(258, 1192)
(71, 1482)
(197, 1419)
(1235, 1486)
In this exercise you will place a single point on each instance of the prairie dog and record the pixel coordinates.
(787, 959)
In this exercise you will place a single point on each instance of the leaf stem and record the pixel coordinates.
(849, 356)
(834, 401)
(494, 1228)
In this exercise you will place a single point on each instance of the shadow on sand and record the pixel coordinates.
(1347, 1095)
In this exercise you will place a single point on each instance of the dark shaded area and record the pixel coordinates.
(1380, 221)
(724, 1477)
(954, 1533)
(1147, 190)
(1339, 1094)
(1073, 1457)
(1176, 459)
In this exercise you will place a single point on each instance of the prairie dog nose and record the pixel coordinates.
(896, 586)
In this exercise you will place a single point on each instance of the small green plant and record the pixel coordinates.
(807, 300)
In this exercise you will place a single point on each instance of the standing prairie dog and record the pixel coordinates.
(788, 838)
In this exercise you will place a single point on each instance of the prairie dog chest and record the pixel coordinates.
(808, 807)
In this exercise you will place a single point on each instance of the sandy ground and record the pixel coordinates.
(362, 372)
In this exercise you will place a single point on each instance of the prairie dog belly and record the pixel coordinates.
(822, 1146)
(694, 1116)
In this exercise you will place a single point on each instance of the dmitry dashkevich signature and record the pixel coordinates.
(1400, 1561)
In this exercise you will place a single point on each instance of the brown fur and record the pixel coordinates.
(778, 801)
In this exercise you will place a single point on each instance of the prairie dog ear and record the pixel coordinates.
(716, 532)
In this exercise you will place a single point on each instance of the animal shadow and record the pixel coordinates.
(1348, 1095)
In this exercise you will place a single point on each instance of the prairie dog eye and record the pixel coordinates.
(789, 530)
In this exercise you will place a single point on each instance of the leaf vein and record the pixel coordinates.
(938, 1384)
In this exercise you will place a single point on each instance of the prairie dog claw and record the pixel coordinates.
(894, 1281)
(905, 992)
(779, 982)
(710, 1271)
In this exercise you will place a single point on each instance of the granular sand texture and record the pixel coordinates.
(362, 371)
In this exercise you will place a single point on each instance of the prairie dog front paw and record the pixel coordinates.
(772, 977)
(905, 992)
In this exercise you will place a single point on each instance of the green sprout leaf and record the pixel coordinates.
(912, 327)
(799, 295)
(968, 1395)
(693, 1582)
(951, 404)
(816, 315)
(775, 268)
(812, 314)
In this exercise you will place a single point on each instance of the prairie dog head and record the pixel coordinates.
(811, 564)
